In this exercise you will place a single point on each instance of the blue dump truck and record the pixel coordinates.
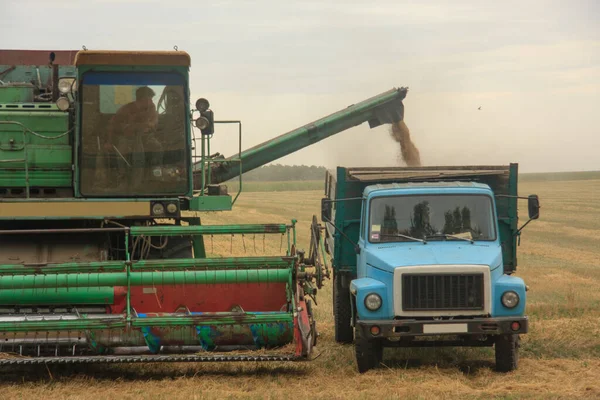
(426, 257)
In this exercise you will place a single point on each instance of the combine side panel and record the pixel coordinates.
(39, 137)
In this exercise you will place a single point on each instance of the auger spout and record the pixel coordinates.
(384, 108)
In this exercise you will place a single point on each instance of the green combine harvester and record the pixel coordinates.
(102, 252)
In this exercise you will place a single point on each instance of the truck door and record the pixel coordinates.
(361, 257)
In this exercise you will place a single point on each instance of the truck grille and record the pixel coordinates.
(442, 292)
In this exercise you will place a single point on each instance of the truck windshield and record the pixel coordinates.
(133, 134)
(434, 217)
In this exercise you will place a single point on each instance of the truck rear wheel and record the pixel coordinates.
(342, 312)
(369, 352)
(507, 353)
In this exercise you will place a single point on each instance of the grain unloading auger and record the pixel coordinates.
(102, 251)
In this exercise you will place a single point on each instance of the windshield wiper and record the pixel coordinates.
(447, 235)
(406, 237)
(121, 155)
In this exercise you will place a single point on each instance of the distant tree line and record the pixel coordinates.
(278, 172)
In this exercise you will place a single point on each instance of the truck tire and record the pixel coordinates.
(507, 352)
(342, 312)
(368, 352)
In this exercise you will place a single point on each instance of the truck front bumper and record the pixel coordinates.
(462, 327)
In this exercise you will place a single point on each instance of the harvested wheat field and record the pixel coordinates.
(560, 357)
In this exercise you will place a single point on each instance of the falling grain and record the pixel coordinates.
(408, 151)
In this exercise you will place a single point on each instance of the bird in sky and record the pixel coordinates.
(479, 108)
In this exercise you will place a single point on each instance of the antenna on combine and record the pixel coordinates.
(175, 48)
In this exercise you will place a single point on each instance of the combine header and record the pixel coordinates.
(102, 253)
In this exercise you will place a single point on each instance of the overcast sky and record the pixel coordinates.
(533, 67)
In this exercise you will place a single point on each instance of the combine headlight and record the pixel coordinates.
(63, 103)
(202, 104)
(65, 85)
(510, 299)
(171, 208)
(373, 302)
(202, 123)
(158, 209)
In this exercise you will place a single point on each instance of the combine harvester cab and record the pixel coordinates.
(102, 252)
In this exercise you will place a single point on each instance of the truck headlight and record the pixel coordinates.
(510, 299)
(373, 302)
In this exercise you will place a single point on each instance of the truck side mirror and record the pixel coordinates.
(325, 209)
(533, 205)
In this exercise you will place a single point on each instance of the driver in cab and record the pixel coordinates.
(131, 132)
(137, 117)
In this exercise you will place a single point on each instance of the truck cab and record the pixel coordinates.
(430, 268)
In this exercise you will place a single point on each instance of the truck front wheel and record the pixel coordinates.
(342, 312)
(369, 352)
(507, 353)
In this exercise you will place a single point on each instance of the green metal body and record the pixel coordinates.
(143, 278)
(18, 93)
(58, 296)
(106, 266)
(35, 160)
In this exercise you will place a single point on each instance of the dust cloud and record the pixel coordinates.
(408, 151)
